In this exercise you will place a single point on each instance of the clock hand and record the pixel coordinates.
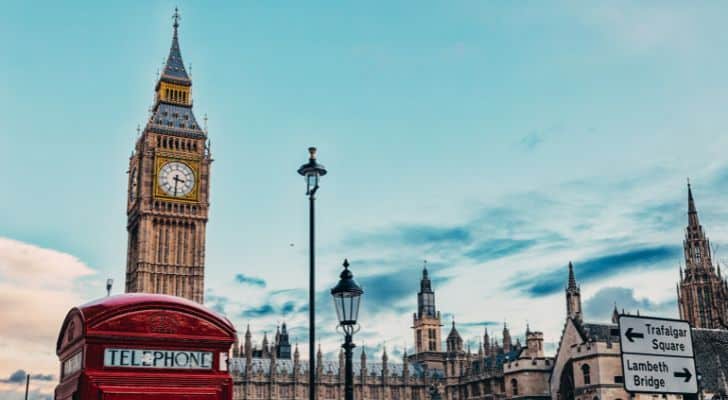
(176, 181)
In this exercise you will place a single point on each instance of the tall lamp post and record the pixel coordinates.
(347, 295)
(311, 171)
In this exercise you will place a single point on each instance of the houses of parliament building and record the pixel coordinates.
(167, 213)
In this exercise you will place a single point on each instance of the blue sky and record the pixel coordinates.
(497, 140)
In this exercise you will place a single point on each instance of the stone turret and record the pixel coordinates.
(534, 344)
(573, 296)
(236, 346)
(265, 349)
(319, 362)
(486, 342)
(405, 368)
(454, 341)
(506, 339)
(248, 345)
(296, 359)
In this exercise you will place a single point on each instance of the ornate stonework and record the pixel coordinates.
(168, 196)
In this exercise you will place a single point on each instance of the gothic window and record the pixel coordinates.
(585, 370)
(514, 387)
(419, 339)
(697, 254)
(395, 393)
(415, 394)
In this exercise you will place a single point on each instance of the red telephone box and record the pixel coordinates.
(144, 346)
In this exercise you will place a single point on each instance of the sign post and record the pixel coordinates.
(657, 355)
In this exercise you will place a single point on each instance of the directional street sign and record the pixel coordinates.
(657, 355)
(656, 336)
(659, 374)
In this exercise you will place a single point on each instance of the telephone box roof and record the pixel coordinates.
(106, 307)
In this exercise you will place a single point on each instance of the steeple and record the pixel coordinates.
(174, 69)
(486, 341)
(426, 321)
(692, 211)
(572, 279)
(573, 296)
(248, 345)
(426, 296)
(405, 364)
(172, 110)
(454, 340)
(506, 338)
(702, 296)
(283, 345)
(266, 352)
(696, 244)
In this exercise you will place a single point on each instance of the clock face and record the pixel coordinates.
(176, 179)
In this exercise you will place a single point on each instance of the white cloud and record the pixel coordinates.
(37, 288)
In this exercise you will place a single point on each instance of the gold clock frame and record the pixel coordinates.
(194, 164)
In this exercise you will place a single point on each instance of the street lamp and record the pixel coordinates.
(109, 284)
(347, 295)
(311, 171)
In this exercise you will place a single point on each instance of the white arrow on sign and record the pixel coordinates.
(657, 374)
(655, 336)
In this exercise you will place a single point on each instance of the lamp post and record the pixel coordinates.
(347, 295)
(311, 171)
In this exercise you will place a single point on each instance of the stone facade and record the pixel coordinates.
(505, 371)
(168, 194)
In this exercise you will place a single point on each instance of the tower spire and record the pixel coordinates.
(573, 296)
(572, 279)
(692, 211)
(176, 17)
(174, 68)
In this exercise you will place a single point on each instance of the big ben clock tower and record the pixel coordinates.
(168, 202)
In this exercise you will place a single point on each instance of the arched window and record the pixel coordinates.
(514, 387)
(586, 371)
